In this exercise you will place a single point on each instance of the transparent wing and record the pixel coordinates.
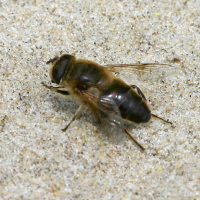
(107, 114)
(102, 104)
(145, 71)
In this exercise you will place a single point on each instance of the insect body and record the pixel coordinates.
(109, 98)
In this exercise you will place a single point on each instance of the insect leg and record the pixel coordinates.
(142, 95)
(139, 91)
(109, 120)
(134, 140)
(75, 116)
(56, 89)
(155, 116)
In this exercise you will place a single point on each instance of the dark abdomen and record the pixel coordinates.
(126, 102)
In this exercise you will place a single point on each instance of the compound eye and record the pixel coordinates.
(58, 70)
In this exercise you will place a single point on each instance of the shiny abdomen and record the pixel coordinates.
(126, 102)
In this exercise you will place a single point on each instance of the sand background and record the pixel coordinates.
(38, 160)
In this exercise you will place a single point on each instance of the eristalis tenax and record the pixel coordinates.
(95, 86)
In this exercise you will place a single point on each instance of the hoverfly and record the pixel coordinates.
(109, 98)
